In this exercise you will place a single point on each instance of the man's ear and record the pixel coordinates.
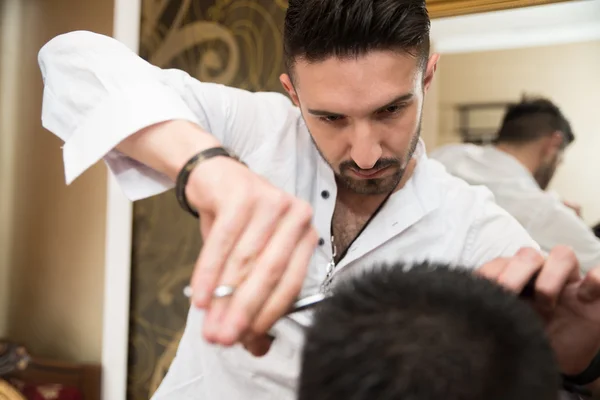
(551, 145)
(557, 140)
(287, 84)
(430, 70)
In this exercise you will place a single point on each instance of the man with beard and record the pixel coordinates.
(518, 169)
(335, 181)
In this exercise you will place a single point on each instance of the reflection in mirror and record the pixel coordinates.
(520, 116)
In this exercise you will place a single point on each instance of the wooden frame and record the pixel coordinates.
(117, 259)
(450, 8)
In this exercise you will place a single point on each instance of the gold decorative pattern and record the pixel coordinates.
(233, 42)
(237, 43)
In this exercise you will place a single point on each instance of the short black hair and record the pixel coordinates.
(428, 333)
(318, 29)
(531, 119)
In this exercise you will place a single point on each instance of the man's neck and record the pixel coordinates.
(522, 154)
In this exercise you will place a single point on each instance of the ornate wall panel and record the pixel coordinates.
(237, 43)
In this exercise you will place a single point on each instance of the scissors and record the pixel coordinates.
(308, 302)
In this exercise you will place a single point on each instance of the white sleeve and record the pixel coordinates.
(97, 92)
(556, 224)
(494, 233)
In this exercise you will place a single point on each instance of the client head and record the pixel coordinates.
(428, 333)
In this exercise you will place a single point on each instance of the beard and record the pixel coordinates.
(544, 174)
(375, 186)
(378, 186)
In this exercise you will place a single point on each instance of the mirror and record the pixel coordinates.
(514, 109)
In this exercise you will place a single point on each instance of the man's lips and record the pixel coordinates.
(369, 173)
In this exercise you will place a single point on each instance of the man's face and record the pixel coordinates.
(363, 114)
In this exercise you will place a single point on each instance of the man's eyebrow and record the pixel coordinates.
(400, 99)
(325, 113)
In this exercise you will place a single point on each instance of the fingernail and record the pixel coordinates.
(212, 323)
(209, 332)
(230, 333)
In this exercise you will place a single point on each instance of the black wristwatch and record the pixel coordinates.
(589, 375)
(184, 174)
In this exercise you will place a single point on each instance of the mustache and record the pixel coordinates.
(380, 164)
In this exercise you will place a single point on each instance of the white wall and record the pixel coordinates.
(51, 235)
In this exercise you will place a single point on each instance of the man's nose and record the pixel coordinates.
(366, 146)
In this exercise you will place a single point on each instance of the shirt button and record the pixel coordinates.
(321, 241)
(325, 194)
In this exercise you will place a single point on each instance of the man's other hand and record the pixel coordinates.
(568, 303)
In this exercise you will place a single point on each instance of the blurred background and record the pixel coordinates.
(88, 280)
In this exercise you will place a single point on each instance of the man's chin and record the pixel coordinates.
(370, 186)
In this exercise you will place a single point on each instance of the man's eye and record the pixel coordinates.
(331, 118)
(392, 109)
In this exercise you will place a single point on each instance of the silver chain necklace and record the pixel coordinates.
(325, 286)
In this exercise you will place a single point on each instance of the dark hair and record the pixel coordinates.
(531, 119)
(596, 230)
(318, 29)
(429, 333)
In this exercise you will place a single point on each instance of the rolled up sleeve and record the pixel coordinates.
(97, 92)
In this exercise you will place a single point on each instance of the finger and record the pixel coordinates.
(206, 222)
(270, 266)
(520, 269)
(589, 290)
(224, 233)
(560, 268)
(214, 316)
(493, 269)
(239, 264)
(290, 284)
(258, 232)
